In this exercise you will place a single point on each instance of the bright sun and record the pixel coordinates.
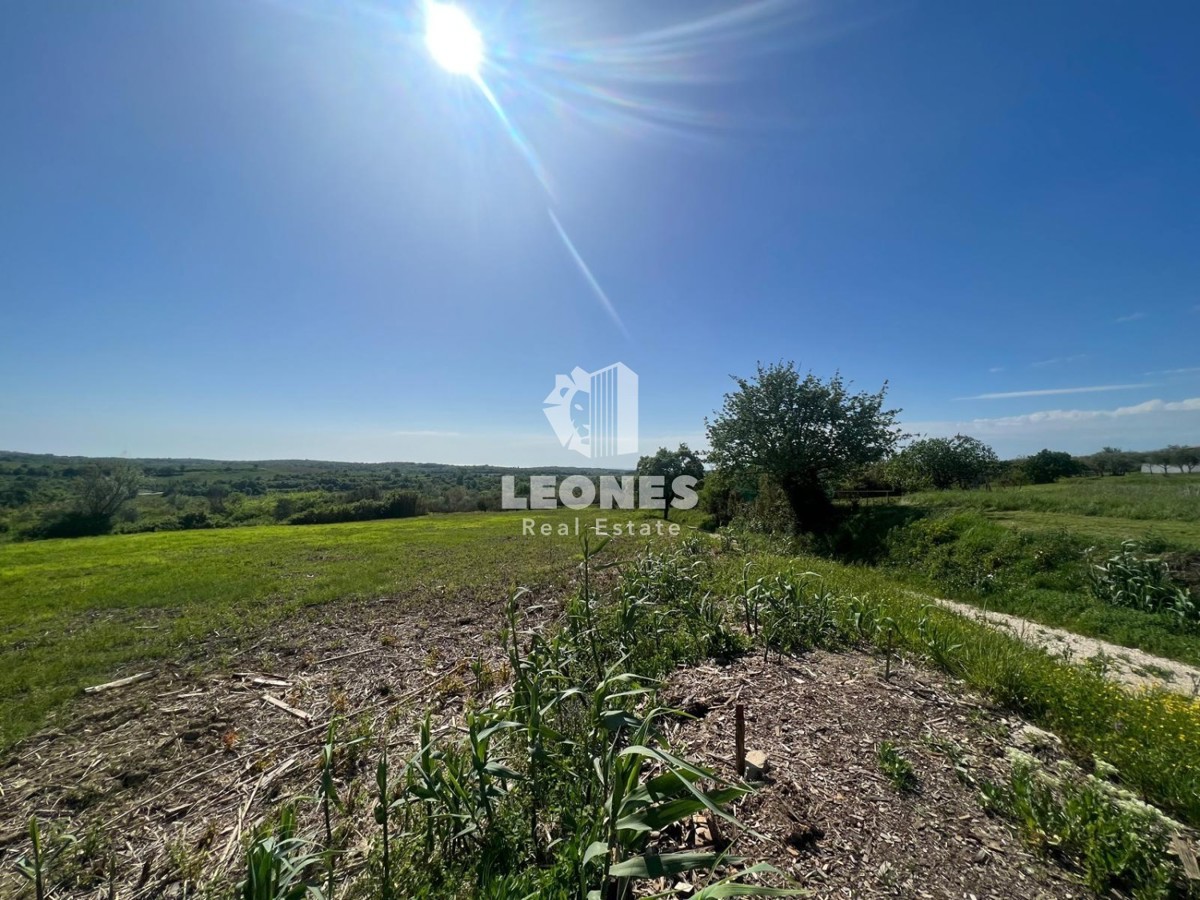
(452, 40)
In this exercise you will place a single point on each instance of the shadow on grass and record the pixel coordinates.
(861, 535)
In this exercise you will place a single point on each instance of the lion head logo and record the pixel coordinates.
(595, 413)
(569, 410)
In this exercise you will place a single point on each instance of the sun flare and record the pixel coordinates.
(453, 41)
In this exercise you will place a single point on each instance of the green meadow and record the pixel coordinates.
(82, 611)
(1125, 506)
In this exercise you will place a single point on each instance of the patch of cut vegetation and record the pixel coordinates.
(1158, 498)
(544, 762)
(83, 611)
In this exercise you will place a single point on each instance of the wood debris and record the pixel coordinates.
(119, 683)
(279, 704)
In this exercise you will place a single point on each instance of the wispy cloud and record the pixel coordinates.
(995, 369)
(1187, 371)
(1154, 423)
(1132, 317)
(1074, 415)
(1192, 404)
(1050, 392)
(1058, 361)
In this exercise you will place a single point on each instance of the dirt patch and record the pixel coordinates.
(826, 813)
(172, 773)
(1185, 569)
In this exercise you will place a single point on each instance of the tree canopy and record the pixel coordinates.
(940, 463)
(1114, 461)
(1047, 466)
(670, 464)
(804, 433)
(102, 492)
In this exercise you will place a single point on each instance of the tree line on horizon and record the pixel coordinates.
(780, 438)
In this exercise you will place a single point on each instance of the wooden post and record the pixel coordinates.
(739, 738)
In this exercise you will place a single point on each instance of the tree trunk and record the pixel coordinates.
(810, 504)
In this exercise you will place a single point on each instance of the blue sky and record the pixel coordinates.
(275, 228)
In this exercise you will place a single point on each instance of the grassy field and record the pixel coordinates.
(86, 610)
(82, 611)
(1175, 534)
(1144, 498)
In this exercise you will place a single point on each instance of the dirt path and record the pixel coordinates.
(1132, 667)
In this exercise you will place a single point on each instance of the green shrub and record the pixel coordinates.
(396, 505)
(69, 524)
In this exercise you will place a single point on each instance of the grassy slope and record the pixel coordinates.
(1077, 612)
(1151, 509)
(69, 609)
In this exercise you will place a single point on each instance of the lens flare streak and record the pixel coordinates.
(523, 146)
(587, 273)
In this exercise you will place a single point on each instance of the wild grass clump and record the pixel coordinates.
(1118, 847)
(1131, 579)
(966, 553)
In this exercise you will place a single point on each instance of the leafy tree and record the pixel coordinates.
(1047, 466)
(941, 463)
(1187, 458)
(1162, 459)
(670, 464)
(103, 491)
(1113, 461)
(721, 496)
(805, 434)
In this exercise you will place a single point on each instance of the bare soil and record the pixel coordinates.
(173, 772)
(826, 813)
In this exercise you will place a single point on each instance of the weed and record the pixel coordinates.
(186, 863)
(280, 865)
(47, 852)
(383, 817)
(896, 767)
(1144, 583)
(33, 868)
(1119, 847)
